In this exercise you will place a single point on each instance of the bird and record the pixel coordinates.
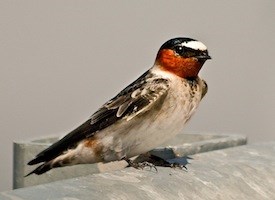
(151, 110)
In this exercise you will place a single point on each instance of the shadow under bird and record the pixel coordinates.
(143, 116)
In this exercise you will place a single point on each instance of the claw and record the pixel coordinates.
(152, 162)
(147, 164)
(177, 165)
(140, 165)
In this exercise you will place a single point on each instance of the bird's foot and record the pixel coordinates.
(158, 161)
(140, 165)
(176, 165)
(151, 161)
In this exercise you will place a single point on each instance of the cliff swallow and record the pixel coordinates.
(144, 115)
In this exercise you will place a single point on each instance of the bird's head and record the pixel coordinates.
(182, 56)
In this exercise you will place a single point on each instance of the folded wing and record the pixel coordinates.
(137, 98)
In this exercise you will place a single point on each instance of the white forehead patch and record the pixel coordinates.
(197, 45)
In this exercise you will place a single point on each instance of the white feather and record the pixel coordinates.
(197, 45)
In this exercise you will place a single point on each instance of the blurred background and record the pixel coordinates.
(61, 60)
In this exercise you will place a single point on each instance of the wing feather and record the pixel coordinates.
(133, 100)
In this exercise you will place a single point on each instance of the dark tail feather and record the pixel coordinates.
(41, 169)
(65, 143)
(36, 160)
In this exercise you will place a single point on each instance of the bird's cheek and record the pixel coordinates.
(189, 63)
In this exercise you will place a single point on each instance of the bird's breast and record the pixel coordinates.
(150, 129)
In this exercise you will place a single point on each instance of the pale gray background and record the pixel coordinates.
(61, 60)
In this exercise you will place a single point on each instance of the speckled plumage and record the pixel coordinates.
(144, 115)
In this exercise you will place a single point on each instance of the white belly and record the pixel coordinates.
(147, 131)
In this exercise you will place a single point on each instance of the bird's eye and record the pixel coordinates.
(179, 50)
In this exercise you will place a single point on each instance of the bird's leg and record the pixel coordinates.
(149, 160)
(174, 165)
(158, 161)
(140, 165)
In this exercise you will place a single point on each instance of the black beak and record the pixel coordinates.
(203, 57)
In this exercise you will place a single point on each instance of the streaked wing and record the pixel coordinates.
(131, 101)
